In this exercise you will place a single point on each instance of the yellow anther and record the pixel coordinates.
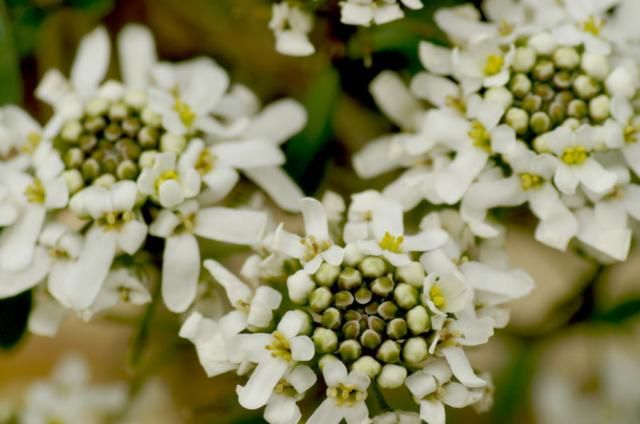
(593, 25)
(493, 64)
(456, 103)
(438, 299)
(32, 142)
(35, 192)
(631, 133)
(391, 243)
(530, 181)
(346, 394)
(166, 176)
(204, 163)
(280, 347)
(575, 155)
(314, 247)
(480, 136)
(186, 114)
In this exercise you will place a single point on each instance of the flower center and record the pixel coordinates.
(493, 64)
(391, 243)
(32, 142)
(437, 297)
(456, 103)
(530, 181)
(285, 389)
(346, 394)
(480, 136)
(593, 25)
(115, 220)
(205, 162)
(168, 175)
(35, 192)
(314, 247)
(575, 155)
(631, 133)
(186, 114)
(280, 347)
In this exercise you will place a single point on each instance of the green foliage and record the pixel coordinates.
(14, 315)
(620, 313)
(10, 82)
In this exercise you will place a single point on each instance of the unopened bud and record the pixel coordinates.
(557, 112)
(524, 59)
(135, 98)
(363, 295)
(326, 341)
(577, 109)
(387, 310)
(532, 103)
(415, 350)
(397, 328)
(368, 366)
(545, 91)
(412, 273)
(118, 111)
(566, 58)
(520, 85)
(585, 87)
(373, 267)
(71, 131)
(127, 170)
(113, 132)
(543, 70)
(389, 352)
(370, 339)
(599, 107)
(105, 180)
(382, 286)
(131, 126)
(350, 350)
(327, 274)
(518, 119)
(343, 299)
(331, 318)
(392, 376)
(540, 122)
(172, 143)
(351, 330)
(73, 179)
(148, 137)
(405, 296)
(352, 255)
(97, 106)
(349, 279)
(73, 158)
(562, 80)
(90, 169)
(151, 118)
(596, 65)
(320, 299)
(94, 123)
(418, 320)
(500, 95)
(543, 43)
(376, 324)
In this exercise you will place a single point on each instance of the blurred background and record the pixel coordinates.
(572, 351)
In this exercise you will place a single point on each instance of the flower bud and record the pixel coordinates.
(412, 273)
(532, 103)
(343, 299)
(563, 97)
(320, 299)
(147, 159)
(392, 376)
(94, 124)
(415, 350)
(90, 169)
(545, 91)
(382, 286)
(350, 350)
(352, 315)
(97, 106)
(376, 324)
(524, 59)
(351, 330)
(389, 352)
(540, 122)
(87, 142)
(73, 179)
(352, 255)
(172, 143)
(331, 318)
(105, 180)
(599, 107)
(148, 137)
(150, 118)
(135, 98)
(397, 328)
(131, 126)
(128, 148)
(566, 58)
(363, 295)
(520, 85)
(326, 341)
(367, 365)
(113, 132)
(557, 112)
(405, 296)
(373, 267)
(118, 111)
(577, 109)
(370, 339)
(418, 320)
(585, 87)
(127, 170)
(499, 95)
(518, 119)
(73, 158)
(543, 43)
(327, 274)
(326, 359)
(71, 131)
(387, 310)
(562, 80)
(543, 70)
(349, 279)
(596, 65)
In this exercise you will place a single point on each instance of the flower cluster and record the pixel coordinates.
(535, 106)
(370, 310)
(126, 177)
(292, 20)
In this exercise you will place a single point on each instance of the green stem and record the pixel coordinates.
(142, 335)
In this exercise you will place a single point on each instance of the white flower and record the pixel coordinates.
(397, 417)
(291, 26)
(275, 354)
(122, 285)
(482, 64)
(447, 293)
(346, 395)
(181, 258)
(116, 226)
(282, 407)
(586, 22)
(364, 12)
(167, 184)
(18, 133)
(317, 246)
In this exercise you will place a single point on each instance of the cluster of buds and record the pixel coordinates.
(524, 110)
(381, 311)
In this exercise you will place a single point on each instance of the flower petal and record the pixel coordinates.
(230, 225)
(180, 271)
(137, 53)
(91, 62)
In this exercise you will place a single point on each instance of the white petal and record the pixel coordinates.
(355, 14)
(291, 323)
(315, 218)
(288, 243)
(425, 241)
(131, 236)
(137, 53)
(375, 158)
(302, 348)
(91, 62)
(326, 413)
(259, 388)
(278, 185)
(334, 373)
(394, 99)
(250, 153)
(237, 291)
(432, 411)
(123, 195)
(594, 177)
(293, 43)
(356, 413)
(435, 59)
(46, 317)
(434, 89)
(282, 409)
(278, 121)
(452, 182)
(17, 242)
(202, 84)
(456, 395)
(230, 225)
(180, 271)
(220, 181)
(565, 179)
(170, 194)
(15, 282)
(302, 378)
(461, 368)
(420, 384)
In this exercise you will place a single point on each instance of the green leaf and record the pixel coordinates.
(619, 313)
(305, 163)
(10, 81)
(14, 315)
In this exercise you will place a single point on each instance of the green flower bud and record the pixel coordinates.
(90, 169)
(599, 107)
(585, 87)
(331, 318)
(129, 149)
(127, 170)
(94, 124)
(73, 179)
(135, 98)
(418, 319)
(405, 296)
(563, 97)
(352, 255)
(557, 112)
(577, 109)
(110, 164)
(520, 85)
(566, 58)
(172, 143)
(415, 350)
(543, 70)
(148, 137)
(376, 324)
(367, 365)
(518, 119)
(387, 310)
(545, 91)
(373, 267)
(370, 339)
(412, 273)
(326, 341)
(118, 111)
(389, 352)
(499, 95)
(363, 296)
(71, 131)
(105, 180)
(96, 106)
(524, 59)
(349, 279)
(113, 132)
(532, 103)
(343, 299)
(562, 80)
(326, 359)
(131, 126)
(73, 158)
(352, 315)
(397, 328)
(351, 330)
(540, 122)
(150, 118)
(596, 65)
(350, 350)
(327, 274)
(382, 286)
(320, 299)
(392, 376)
(87, 142)
(371, 308)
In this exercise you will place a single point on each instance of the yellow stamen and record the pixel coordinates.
(280, 347)
(204, 163)
(575, 155)
(438, 299)
(593, 25)
(493, 65)
(346, 394)
(35, 192)
(187, 115)
(480, 136)
(391, 243)
(530, 181)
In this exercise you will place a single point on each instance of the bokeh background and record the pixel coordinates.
(572, 351)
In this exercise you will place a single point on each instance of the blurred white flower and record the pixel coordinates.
(291, 26)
